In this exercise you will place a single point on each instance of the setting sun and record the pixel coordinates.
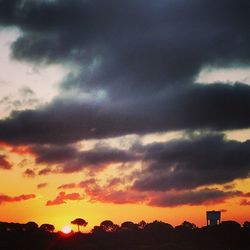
(66, 229)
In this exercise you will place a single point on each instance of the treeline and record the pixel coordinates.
(156, 235)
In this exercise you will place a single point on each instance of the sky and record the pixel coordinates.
(124, 110)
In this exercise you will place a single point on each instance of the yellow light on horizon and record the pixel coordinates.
(66, 229)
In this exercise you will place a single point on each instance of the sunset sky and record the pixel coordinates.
(124, 110)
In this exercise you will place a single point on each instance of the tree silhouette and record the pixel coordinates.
(79, 222)
(129, 226)
(109, 226)
(158, 227)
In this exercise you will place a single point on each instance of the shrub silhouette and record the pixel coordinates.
(129, 225)
(109, 226)
(186, 225)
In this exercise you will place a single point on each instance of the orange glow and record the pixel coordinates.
(66, 229)
(95, 212)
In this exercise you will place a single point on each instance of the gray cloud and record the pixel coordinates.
(69, 159)
(199, 161)
(143, 56)
(23, 99)
(54, 154)
(217, 106)
(196, 161)
(193, 198)
(133, 46)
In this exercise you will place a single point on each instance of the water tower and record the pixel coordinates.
(213, 218)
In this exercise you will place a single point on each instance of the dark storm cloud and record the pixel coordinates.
(69, 159)
(182, 164)
(54, 154)
(191, 163)
(216, 106)
(193, 198)
(132, 53)
(130, 46)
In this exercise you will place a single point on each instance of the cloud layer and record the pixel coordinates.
(185, 163)
(133, 69)
(136, 65)
(114, 194)
(199, 161)
(69, 159)
(217, 106)
(193, 198)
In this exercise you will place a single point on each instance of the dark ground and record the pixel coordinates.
(156, 236)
